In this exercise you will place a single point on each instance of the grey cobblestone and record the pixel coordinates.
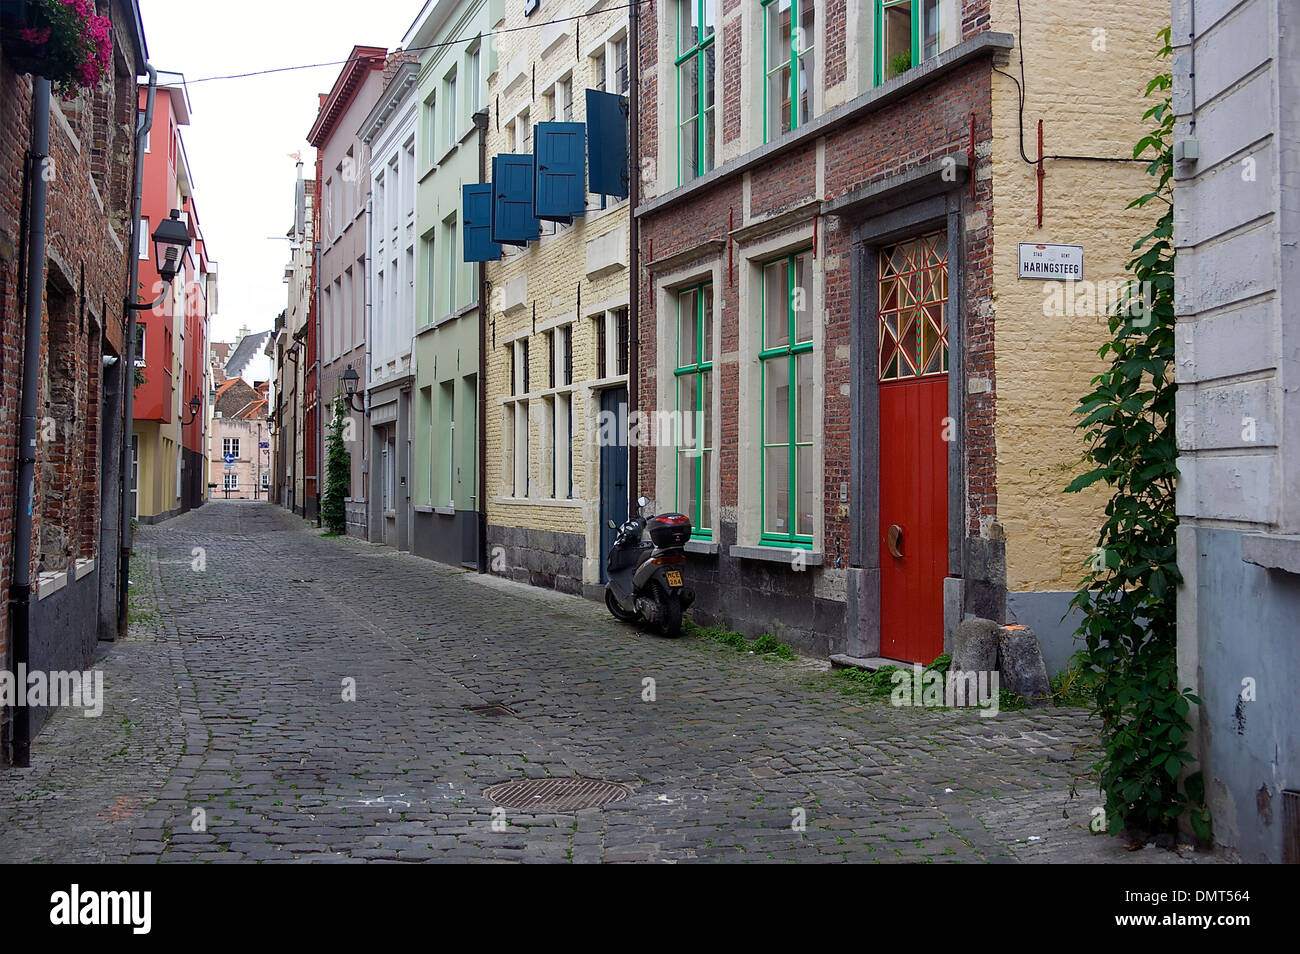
(228, 696)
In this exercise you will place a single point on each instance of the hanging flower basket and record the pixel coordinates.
(62, 40)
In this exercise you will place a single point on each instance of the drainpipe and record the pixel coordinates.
(319, 436)
(142, 127)
(20, 592)
(367, 292)
(634, 249)
(480, 436)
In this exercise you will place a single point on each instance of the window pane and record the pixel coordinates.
(706, 491)
(688, 342)
(710, 18)
(806, 403)
(687, 386)
(776, 489)
(706, 399)
(807, 496)
(621, 324)
(897, 39)
(778, 100)
(706, 326)
(930, 29)
(687, 25)
(805, 81)
(776, 401)
(801, 298)
(778, 66)
(709, 112)
(776, 299)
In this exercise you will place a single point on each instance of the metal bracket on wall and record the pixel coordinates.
(1041, 173)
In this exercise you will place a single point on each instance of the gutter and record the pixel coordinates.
(20, 590)
(634, 250)
(480, 495)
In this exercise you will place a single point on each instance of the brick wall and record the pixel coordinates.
(89, 181)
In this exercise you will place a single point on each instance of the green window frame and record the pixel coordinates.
(789, 61)
(693, 463)
(696, 97)
(787, 398)
(907, 33)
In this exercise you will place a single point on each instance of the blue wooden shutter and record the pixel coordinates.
(476, 221)
(513, 219)
(561, 171)
(607, 151)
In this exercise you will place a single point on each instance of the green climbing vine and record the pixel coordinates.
(338, 470)
(1128, 596)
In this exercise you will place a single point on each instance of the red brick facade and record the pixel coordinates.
(89, 175)
(930, 122)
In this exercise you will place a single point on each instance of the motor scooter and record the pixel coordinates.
(645, 576)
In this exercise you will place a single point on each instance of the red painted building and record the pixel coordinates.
(169, 436)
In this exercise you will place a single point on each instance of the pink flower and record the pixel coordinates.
(84, 8)
(35, 37)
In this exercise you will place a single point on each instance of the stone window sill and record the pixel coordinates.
(772, 554)
(1273, 551)
(702, 547)
(50, 583)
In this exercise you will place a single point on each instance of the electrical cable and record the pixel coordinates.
(422, 49)
(1021, 85)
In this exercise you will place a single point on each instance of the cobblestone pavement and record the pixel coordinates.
(225, 705)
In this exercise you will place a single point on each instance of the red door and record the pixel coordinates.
(915, 432)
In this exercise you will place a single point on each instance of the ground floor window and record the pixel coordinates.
(787, 399)
(231, 481)
(694, 376)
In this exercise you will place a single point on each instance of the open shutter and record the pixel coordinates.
(513, 219)
(561, 171)
(607, 150)
(476, 219)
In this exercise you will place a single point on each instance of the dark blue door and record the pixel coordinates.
(613, 467)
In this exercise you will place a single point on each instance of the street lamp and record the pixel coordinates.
(350, 379)
(170, 240)
(195, 404)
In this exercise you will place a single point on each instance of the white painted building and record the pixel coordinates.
(389, 132)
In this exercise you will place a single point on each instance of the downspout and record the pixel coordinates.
(480, 436)
(143, 125)
(319, 436)
(634, 250)
(369, 306)
(20, 591)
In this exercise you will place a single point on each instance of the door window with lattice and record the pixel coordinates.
(913, 308)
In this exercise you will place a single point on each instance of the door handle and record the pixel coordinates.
(893, 538)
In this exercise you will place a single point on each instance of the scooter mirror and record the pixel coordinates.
(641, 502)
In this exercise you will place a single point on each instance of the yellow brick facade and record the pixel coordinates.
(536, 290)
(1086, 67)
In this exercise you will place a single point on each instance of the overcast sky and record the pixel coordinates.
(242, 131)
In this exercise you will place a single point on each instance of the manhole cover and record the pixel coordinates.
(492, 710)
(557, 794)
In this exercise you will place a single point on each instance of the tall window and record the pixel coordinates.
(695, 105)
(907, 33)
(230, 447)
(621, 80)
(788, 61)
(789, 492)
(695, 405)
(144, 239)
(913, 308)
(598, 69)
(231, 482)
(449, 241)
(474, 78)
(564, 99)
(430, 131)
(560, 361)
(430, 284)
(516, 421)
(453, 133)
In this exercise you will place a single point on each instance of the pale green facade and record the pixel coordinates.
(453, 82)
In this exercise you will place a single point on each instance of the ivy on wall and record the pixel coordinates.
(338, 471)
(1128, 598)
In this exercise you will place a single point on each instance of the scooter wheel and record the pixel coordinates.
(620, 614)
(670, 605)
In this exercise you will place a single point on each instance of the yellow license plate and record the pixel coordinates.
(674, 577)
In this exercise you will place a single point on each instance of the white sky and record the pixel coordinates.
(242, 131)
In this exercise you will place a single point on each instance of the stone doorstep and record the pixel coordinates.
(869, 663)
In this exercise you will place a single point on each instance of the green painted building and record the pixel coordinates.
(451, 87)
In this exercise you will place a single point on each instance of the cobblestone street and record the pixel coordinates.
(228, 697)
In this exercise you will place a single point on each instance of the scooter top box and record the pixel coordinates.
(669, 529)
